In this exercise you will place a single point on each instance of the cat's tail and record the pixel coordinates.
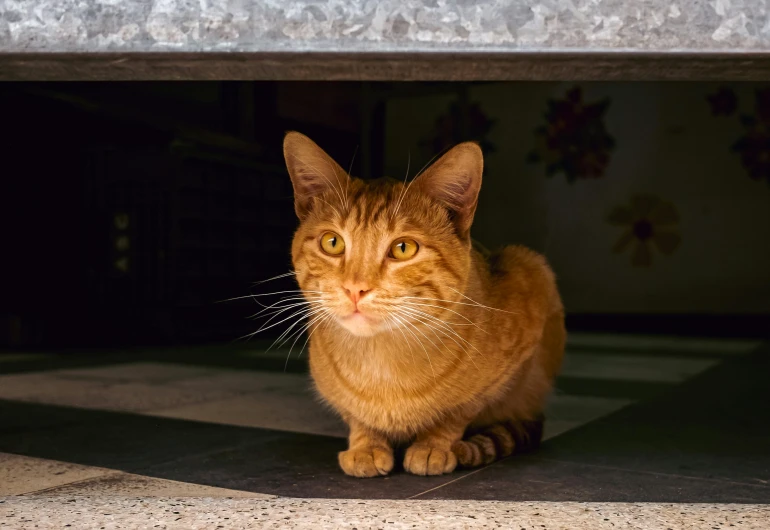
(498, 441)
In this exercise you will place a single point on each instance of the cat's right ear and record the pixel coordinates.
(312, 171)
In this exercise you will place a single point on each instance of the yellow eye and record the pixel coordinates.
(332, 244)
(403, 249)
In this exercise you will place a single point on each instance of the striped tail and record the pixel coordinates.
(498, 441)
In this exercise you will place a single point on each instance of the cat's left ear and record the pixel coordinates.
(312, 172)
(455, 181)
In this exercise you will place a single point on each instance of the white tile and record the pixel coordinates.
(142, 372)
(130, 485)
(247, 381)
(566, 412)
(101, 395)
(633, 367)
(295, 412)
(554, 428)
(23, 474)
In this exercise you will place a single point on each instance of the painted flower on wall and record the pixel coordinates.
(648, 223)
(723, 103)
(574, 141)
(754, 146)
(459, 124)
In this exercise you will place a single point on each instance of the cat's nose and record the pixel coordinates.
(355, 290)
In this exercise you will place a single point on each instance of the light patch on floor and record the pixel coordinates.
(24, 474)
(679, 345)
(633, 367)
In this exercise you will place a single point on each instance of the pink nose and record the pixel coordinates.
(355, 291)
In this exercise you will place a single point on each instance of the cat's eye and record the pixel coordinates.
(332, 244)
(403, 249)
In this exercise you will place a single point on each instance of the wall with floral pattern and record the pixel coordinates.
(645, 197)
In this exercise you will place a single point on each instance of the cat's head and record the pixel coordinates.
(375, 256)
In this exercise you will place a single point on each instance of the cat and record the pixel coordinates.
(415, 337)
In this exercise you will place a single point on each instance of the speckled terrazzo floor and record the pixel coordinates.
(206, 513)
(643, 432)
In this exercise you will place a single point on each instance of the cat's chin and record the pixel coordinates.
(359, 325)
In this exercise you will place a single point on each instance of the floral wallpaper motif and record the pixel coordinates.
(648, 222)
(754, 146)
(574, 141)
(459, 124)
(723, 103)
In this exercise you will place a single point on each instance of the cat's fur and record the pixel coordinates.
(452, 353)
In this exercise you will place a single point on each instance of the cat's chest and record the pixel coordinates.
(383, 395)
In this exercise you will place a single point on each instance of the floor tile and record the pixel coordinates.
(652, 343)
(130, 485)
(715, 426)
(117, 440)
(141, 372)
(529, 478)
(294, 465)
(282, 411)
(46, 388)
(23, 474)
(616, 389)
(248, 381)
(633, 367)
(582, 409)
(705, 441)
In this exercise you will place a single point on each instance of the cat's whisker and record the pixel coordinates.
(350, 170)
(292, 291)
(315, 317)
(430, 320)
(427, 355)
(318, 322)
(280, 309)
(310, 300)
(286, 332)
(445, 325)
(446, 309)
(290, 302)
(403, 189)
(475, 304)
(265, 328)
(284, 275)
(406, 341)
(433, 328)
(480, 305)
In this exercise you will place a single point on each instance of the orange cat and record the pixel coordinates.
(416, 337)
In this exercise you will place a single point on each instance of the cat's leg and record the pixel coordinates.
(431, 452)
(369, 453)
(485, 445)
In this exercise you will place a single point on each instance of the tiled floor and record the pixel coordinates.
(634, 419)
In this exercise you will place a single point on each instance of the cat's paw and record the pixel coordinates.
(426, 460)
(369, 462)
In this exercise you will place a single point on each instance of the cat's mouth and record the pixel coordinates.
(359, 323)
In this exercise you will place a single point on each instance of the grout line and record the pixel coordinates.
(455, 480)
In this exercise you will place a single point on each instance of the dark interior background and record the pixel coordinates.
(131, 209)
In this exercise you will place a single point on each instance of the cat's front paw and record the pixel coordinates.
(368, 462)
(426, 460)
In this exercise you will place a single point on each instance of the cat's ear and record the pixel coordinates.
(454, 181)
(312, 171)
